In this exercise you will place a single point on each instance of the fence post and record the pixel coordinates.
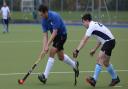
(62, 5)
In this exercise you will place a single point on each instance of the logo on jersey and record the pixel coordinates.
(51, 23)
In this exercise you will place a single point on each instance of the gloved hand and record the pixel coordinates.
(75, 53)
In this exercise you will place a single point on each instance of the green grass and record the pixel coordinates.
(21, 47)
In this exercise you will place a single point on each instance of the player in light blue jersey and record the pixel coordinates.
(51, 21)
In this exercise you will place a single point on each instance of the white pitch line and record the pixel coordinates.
(11, 74)
(118, 86)
(20, 41)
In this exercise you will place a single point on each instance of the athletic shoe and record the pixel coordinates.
(42, 78)
(76, 70)
(91, 81)
(114, 81)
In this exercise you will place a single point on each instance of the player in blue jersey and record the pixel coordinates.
(51, 21)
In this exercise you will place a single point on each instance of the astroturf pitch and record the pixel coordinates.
(20, 48)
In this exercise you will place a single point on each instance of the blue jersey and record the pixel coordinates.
(54, 22)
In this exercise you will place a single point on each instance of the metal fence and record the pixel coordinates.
(70, 5)
(100, 8)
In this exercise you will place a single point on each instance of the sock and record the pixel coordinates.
(48, 66)
(4, 28)
(69, 61)
(111, 71)
(97, 71)
(7, 29)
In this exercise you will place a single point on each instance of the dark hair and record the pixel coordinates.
(43, 8)
(87, 17)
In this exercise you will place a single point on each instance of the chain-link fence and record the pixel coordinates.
(70, 5)
(72, 9)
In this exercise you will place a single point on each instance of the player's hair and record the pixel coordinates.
(87, 17)
(43, 8)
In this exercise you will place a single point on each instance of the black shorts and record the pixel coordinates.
(108, 47)
(5, 21)
(59, 41)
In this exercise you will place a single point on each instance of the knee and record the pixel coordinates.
(106, 64)
(99, 61)
(52, 52)
(61, 58)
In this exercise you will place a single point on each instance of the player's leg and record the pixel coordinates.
(98, 68)
(59, 45)
(50, 61)
(74, 64)
(43, 77)
(7, 24)
(66, 59)
(107, 49)
(111, 70)
(4, 25)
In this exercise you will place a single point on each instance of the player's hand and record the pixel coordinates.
(46, 49)
(75, 53)
(92, 52)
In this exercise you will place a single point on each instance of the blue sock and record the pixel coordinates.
(98, 69)
(111, 71)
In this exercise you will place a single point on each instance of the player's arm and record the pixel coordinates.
(92, 52)
(56, 24)
(45, 41)
(52, 37)
(80, 46)
(82, 43)
(9, 13)
(1, 11)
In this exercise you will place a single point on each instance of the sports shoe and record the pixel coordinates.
(114, 81)
(76, 70)
(42, 78)
(91, 81)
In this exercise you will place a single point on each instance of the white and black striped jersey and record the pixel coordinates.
(99, 31)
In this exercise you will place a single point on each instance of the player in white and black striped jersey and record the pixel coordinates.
(106, 39)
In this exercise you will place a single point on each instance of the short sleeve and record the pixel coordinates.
(44, 27)
(89, 32)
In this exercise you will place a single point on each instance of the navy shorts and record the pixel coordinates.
(5, 21)
(59, 41)
(108, 46)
